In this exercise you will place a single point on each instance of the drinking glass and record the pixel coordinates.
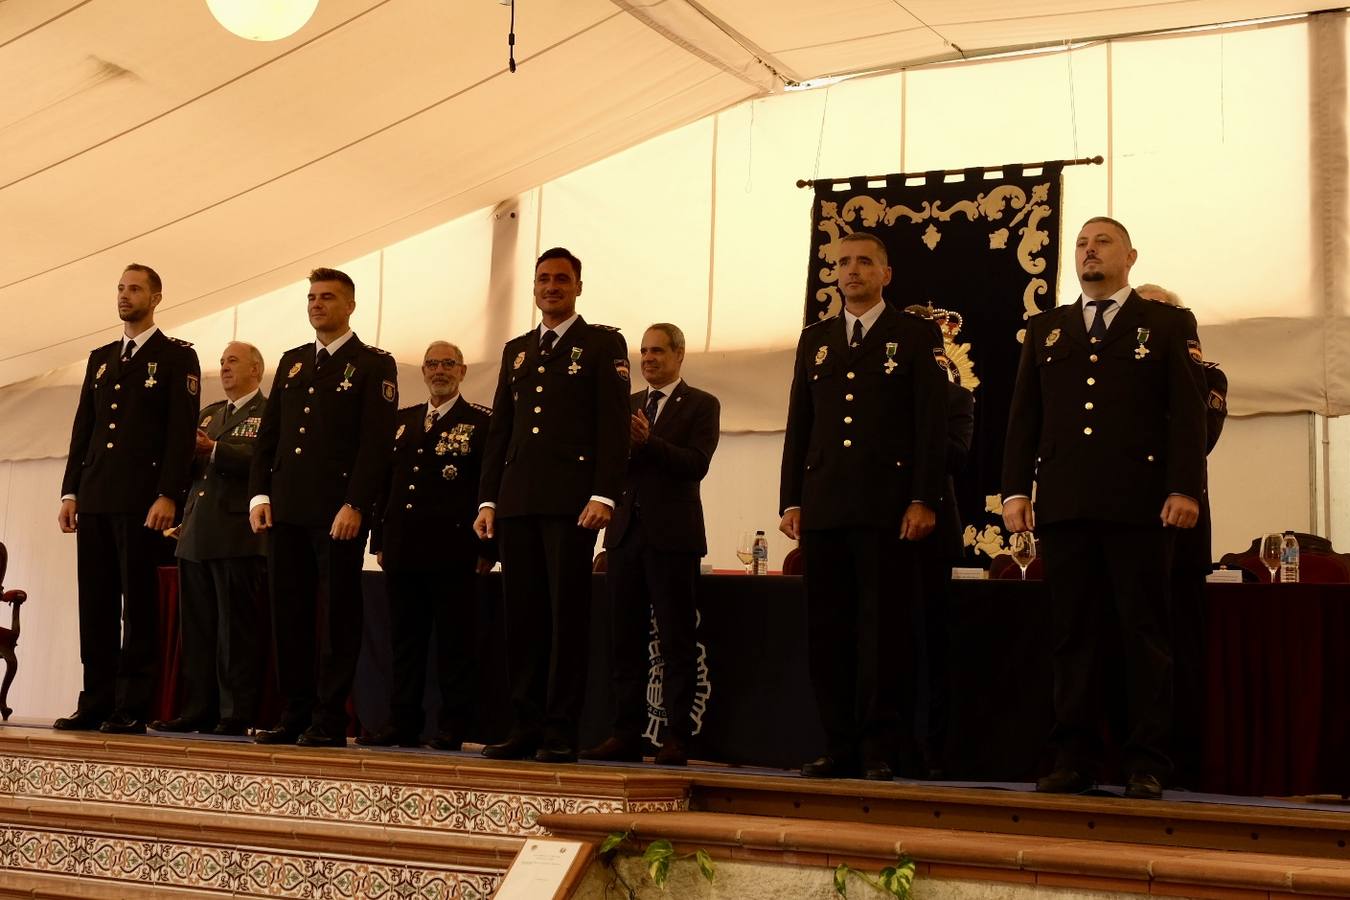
(745, 550)
(1023, 546)
(1272, 545)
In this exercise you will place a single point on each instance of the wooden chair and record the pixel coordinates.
(1318, 562)
(600, 564)
(9, 637)
(793, 563)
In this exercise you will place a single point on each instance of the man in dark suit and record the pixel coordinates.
(1108, 421)
(321, 461)
(552, 469)
(1193, 560)
(653, 546)
(425, 543)
(221, 562)
(128, 469)
(862, 479)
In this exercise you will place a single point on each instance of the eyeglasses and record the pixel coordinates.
(446, 364)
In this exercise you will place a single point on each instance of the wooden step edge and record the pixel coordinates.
(386, 766)
(387, 844)
(52, 886)
(946, 853)
(1179, 810)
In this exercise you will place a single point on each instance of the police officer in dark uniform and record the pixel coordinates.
(221, 562)
(128, 470)
(322, 457)
(554, 465)
(862, 479)
(425, 543)
(1108, 420)
(1194, 559)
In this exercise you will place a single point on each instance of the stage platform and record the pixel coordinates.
(88, 815)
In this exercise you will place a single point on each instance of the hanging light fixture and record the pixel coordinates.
(262, 20)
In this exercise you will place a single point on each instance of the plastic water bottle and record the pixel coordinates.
(761, 551)
(1289, 559)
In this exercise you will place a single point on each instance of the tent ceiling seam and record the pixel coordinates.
(777, 71)
(39, 26)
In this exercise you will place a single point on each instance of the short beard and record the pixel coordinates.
(1094, 276)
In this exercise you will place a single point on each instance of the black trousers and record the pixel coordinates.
(1100, 575)
(445, 600)
(1188, 647)
(935, 569)
(861, 587)
(315, 583)
(224, 649)
(116, 561)
(546, 589)
(646, 581)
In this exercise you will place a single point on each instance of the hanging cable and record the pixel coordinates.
(511, 41)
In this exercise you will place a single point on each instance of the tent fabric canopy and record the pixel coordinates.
(141, 130)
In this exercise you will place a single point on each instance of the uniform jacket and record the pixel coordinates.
(559, 432)
(135, 427)
(324, 439)
(866, 428)
(1107, 431)
(960, 433)
(433, 487)
(215, 520)
(1194, 551)
(664, 473)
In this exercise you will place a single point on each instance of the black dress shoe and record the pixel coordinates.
(1064, 781)
(614, 749)
(829, 767)
(674, 752)
(121, 723)
(512, 748)
(390, 736)
(79, 721)
(1143, 786)
(180, 725)
(282, 734)
(446, 740)
(878, 770)
(555, 752)
(315, 736)
(228, 727)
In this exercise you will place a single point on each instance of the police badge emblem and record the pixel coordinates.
(398, 434)
(206, 421)
(101, 369)
(823, 352)
(1052, 337)
(295, 370)
(520, 358)
(450, 473)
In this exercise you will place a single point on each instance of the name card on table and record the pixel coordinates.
(545, 869)
(960, 573)
(1225, 576)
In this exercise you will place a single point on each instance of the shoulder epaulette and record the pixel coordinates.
(821, 322)
(377, 350)
(179, 341)
(411, 408)
(309, 344)
(481, 408)
(107, 346)
(604, 327)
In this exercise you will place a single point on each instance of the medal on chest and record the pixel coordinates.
(347, 373)
(1141, 339)
(891, 349)
(151, 369)
(575, 366)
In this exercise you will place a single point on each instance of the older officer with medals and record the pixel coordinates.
(221, 562)
(551, 472)
(425, 543)
(862, 479)
(128, 469)
(322, 457)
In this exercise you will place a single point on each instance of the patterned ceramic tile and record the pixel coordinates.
(325, 799)
(237, 870)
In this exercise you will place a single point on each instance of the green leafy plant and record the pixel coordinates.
(896, 880)
(656, 858)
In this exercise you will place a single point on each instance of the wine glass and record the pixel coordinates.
(1023, 547)
(1272, 545)
(745, 550)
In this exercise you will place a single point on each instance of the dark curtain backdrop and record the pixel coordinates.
(981, 251)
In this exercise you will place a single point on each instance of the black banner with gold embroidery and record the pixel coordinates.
(981, 252)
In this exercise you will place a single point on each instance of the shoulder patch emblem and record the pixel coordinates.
(192, 385)
(389, 390)
(1197, 355)
(621, 366)
(1216, 400)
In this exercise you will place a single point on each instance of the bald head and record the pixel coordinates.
(241, 369)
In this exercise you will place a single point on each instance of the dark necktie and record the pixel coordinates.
(128, 350)
(546, 341)
(1097, 333)
(229, 410)
(322, 358)
(431, 421)
(653, 403)
(856, 340)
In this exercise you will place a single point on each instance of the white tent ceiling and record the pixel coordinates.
(141, 130)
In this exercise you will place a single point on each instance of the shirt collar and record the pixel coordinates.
(243, 401)
(336, 344)
(140, 339)
(665, 391)
(560, 329)
(1119, 297)
(868, 318)
(443, 408)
